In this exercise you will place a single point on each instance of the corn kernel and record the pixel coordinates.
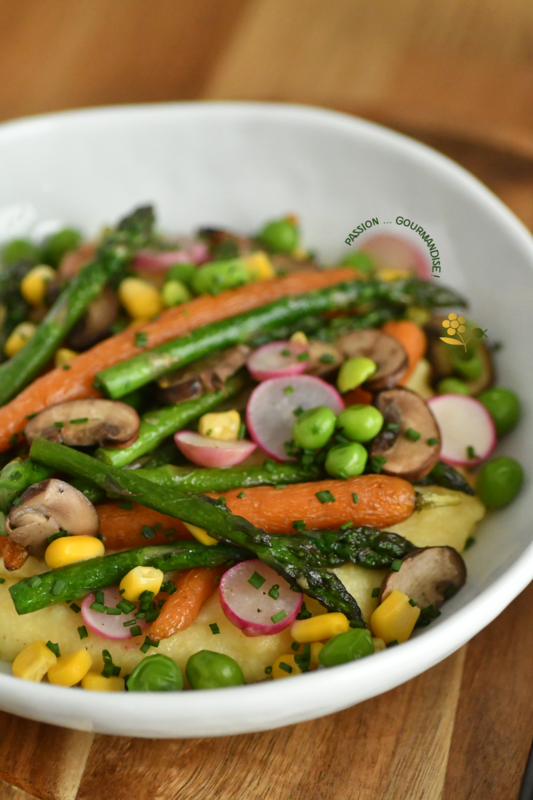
(316, 647)
(379, 645)
(139, 580)
(289, 668)
(140, 298)
(392, 274)
(33, 285)
(394, 619)
(33, 662)
(64, 356)
(69, 670)
(223, 425)
(299, 337)
(95, 682)
(71, 549)
(259, 266)
(18, 338)
(300, 253)
(323, 626)
(200, 534)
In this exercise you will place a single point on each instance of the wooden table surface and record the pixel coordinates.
(456, 74)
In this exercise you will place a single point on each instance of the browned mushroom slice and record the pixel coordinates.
(427, 576)
(206, 375)
(14, 555)
(96, 323)
(410, 437)
(81, 423)
(323, 358)
(386, 352)
(46, 508)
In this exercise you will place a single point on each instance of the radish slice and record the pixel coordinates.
(252, 609)
(270, 413)
(464, 423)
(395, 252)
(277, 359)
(107, 625)
(207, 452)
(161, 260)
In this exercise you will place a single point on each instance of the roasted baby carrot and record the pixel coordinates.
(413, 339)
(125, 525)
(181, 609)
(378, 500)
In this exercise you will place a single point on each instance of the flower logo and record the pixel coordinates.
(455, 326)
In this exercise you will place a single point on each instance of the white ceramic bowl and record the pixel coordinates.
(238, 165)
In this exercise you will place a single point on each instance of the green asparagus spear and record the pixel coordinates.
(306, 573)
(444, 475)
(222, 480)
(158, 425)
(112, 255)
(128, 375)
(78, 580)
(17, 476)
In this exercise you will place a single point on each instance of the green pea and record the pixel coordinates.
(469, 365)
(354, 372)
(20, 250)
(313, 428)
(346, 460)
(209, 670)
(504, 407)
(499, 481)
(55, 246)
(355, 643)
(157, 673)
(360, 423)
(279, 236)
(359, 261)
(220, 275)
(174, 293)
(181, 272)
(452, 386)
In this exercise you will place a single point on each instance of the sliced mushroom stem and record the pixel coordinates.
(82, 423)
(428, 576)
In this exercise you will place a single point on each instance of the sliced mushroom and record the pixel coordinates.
(323, 358)
(206, 375)
(426, 576)
(46, 508)
(386, 352)
(81, 423)
(96, 323)
(407, 454)
(439, 356)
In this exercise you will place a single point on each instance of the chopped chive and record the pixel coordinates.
(288, 390)
(285, 667)
(256, 580)
(98, 607)
(355, 497)
(303, 613)
(99, 596)
(268, 670)
(109, 670)
(392, 426)
(136, 630)
(58, 587)
(345, 526)
(297, 411)
(13, 439)
(450, 590)
(377, 463)
(299, 525)
(113, 612)
(221, 501)
(58, 425)
(147, 644)
(168, 587)
(79, 421)
(54, 648)
(274, 592)
(242, 431)
(15, 476)
(147, 532)
(58, 535)
(325, 496)
(30, 416)
(278, 616)
(469, 542)
(241, 495)
(141, 339)
(432, 441)
(295, 646)
(214, 628)
(209, 432)
(304, 659)
(393, 643)
(285, 352)
(82, 632)
(2, 580)
(125, 505)
(35, 581)
(327, 358)
(411, 434)
(412, 603)
(470, 452)
(375, 592)
(129, 623)
(303, 356)
(280, 485)
(65, 366)
(158, 526)
(396, 565)
(17, 501)
(269, 465)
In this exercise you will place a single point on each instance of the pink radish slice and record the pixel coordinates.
(161, 260)
(251, 609)
(270, 412)
(395, 252)
(107, 625)
(207, 452)
(277, 359)
(464, 422)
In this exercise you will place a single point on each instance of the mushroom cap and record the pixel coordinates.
(81, 423)
(406, 458)
(46, 508)
(387, 352)
(96, 323)
(425, 575)
(317, 350)
(206, 375)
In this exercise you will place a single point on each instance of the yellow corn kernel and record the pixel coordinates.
(324, 626)
(259, 266)
(223, 425)
(33, 285)
(95, 682)
(394, 619)
(140, 298)
(71, 549)
(300, 253)
(18, 338)
(70, 670)
(33, 662)
(379, 645)
(200, 534)
(288, 661)
(139, 580)
(299, 337)
(64, 356)
(316, 647)
(392, 274)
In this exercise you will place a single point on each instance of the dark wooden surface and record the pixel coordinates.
(458, 75)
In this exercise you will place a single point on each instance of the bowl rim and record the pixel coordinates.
(393, 666)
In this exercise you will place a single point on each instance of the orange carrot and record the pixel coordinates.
(381, 501)
(60, 385)
(193, 588)
(121, 527)
(413, 339)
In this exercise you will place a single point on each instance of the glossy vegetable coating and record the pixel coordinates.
(345, 647)
(155, 673)
(499, 481)
(503, 406)
(445, 475)
(452, 386)
(221, 480)
(360, 422)
(313, 428)
(193, 588)
(354, 372)
(209, 670)
(346, 460)
(17, 476)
